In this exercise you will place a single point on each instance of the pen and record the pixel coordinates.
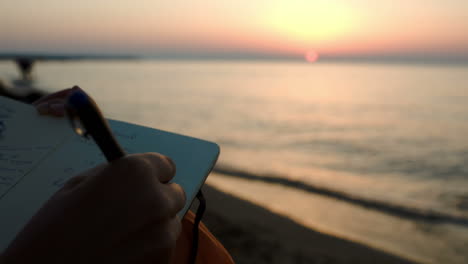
(87, 120)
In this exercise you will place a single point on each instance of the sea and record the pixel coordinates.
(372, 152)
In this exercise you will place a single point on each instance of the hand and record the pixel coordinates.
(121, 212)
(54, 104)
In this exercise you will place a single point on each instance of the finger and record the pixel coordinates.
(165, 166)
(176, 198)
(55, 101)
(60, 94)
(43, 108)
(55, 107)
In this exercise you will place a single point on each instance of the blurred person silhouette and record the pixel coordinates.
(25, 66)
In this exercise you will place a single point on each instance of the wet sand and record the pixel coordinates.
(252, 234)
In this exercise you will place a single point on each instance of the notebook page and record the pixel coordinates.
(25, 139)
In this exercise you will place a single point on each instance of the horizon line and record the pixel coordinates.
(411, 58)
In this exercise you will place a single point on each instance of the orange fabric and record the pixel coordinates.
(210, 250)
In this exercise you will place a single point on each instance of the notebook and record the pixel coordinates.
(38, 154)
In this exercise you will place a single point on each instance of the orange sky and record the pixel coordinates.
(264, 26)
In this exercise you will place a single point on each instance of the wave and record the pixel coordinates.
(382, 206)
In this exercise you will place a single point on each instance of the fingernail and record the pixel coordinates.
(43, 108)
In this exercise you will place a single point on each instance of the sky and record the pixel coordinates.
(236, 28)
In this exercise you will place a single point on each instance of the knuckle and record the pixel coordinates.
(179, 196)
(170, 163)
(159, 205)
(164, 167)
(162, 162)
(166, 202)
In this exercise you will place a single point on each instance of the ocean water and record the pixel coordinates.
(392, 138)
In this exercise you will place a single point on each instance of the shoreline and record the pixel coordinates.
(253, 234)
(399, 210)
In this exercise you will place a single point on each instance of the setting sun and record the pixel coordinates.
(311, 56)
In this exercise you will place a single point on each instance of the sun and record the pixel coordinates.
(311, 56)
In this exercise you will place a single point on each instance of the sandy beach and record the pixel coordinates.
(252, 234)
